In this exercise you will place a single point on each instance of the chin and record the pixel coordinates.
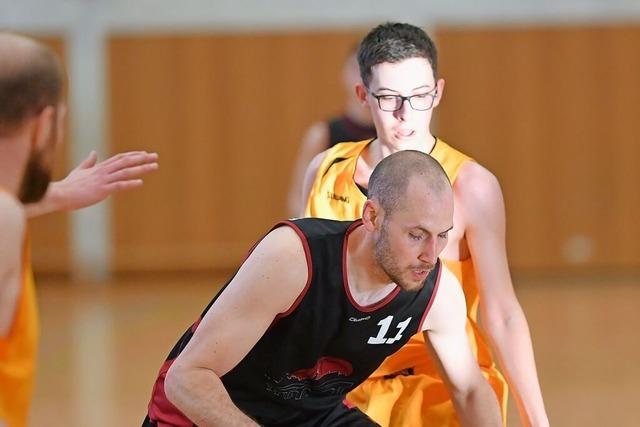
(411, 287)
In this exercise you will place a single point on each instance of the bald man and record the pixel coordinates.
(318, 305)
(32, 113)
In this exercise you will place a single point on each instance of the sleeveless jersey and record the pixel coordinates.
(18, 351)
(335, 195)
(343, 129)
(322, 347)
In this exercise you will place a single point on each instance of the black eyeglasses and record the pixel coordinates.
(419, 102)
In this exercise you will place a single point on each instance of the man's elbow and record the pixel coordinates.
(478, 405)
(174, 383)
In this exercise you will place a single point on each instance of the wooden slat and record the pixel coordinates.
(226, 113)
(551, 111)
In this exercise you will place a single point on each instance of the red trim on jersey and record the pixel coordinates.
(195, 325)
(433, 297)
(307, 254)
(348, 404)
(160, 409)
(345, 280)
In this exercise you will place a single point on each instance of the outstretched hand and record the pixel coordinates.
(91, 182)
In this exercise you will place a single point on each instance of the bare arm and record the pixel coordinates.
(315, 141)
(12, 226)
(267, 284)
(90, 183)
(447, 342)
(502, 317)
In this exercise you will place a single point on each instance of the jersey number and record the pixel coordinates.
(384, 328)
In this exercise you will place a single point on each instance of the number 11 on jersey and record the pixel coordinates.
(385, 324)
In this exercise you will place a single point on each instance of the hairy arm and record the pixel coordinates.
(12, 228)
(91, 182)
(315, 141)
(447, 342)
(267, 284)
(479, 195)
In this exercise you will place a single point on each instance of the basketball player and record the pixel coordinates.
(398, 66)
(353, 125)
(32, 115)
(318, 305)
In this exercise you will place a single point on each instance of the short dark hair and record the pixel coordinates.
(394, 42)
(28, 86)
(390, 178)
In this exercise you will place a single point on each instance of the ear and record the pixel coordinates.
(372, 215)
(43, 126)
(440, 86)
(361, 94)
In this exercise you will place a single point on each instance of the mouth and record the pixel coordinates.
(420, 273)
(404, 133)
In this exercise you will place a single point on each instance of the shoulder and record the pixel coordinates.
(476, 189)
(317, 133)
(448, 308)
(282, 242)
(12, 217)
(314, 166)
(12, 229)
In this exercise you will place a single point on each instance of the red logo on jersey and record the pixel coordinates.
(325, 366)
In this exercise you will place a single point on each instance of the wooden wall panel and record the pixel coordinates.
(553, 113)
(50, 233)
(225, 113)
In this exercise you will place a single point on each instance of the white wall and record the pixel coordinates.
(140, 15)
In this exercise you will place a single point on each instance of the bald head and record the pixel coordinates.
(390, 179)
(31, 79)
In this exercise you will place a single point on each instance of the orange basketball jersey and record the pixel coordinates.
(18, 352)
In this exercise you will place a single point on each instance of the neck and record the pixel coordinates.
(424, 145)
(365, 275)
(380, 149)
(12, 164)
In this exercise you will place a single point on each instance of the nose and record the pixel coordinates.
(429, 252)
(405, 111)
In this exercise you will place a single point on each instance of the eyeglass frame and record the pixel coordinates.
(406, 98)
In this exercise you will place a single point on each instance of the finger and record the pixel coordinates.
(120, 156)
(130, 160)
(90, 161)
(132, 172)
(118, 186)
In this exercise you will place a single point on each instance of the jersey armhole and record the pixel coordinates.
(433, 296)
(307, 254)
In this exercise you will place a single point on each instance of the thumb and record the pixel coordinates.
(90, 161)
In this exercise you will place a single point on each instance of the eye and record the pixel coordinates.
(415, 236)
(421, 96)
(444, 235)
(388, 97)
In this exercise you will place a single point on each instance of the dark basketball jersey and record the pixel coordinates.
(343, 129)
(322, 347)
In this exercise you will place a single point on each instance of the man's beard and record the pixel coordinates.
(36, 179)
(389, 265)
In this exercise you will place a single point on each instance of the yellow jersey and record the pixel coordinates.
(335, 195)
(18, 351)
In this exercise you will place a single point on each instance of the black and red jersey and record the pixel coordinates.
(344, 129)
(321, 348)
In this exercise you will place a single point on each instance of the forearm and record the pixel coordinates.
(478, 407)
(51, 202)
(200, 395)
(511, 342)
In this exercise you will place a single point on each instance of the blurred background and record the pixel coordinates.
(545, 94)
